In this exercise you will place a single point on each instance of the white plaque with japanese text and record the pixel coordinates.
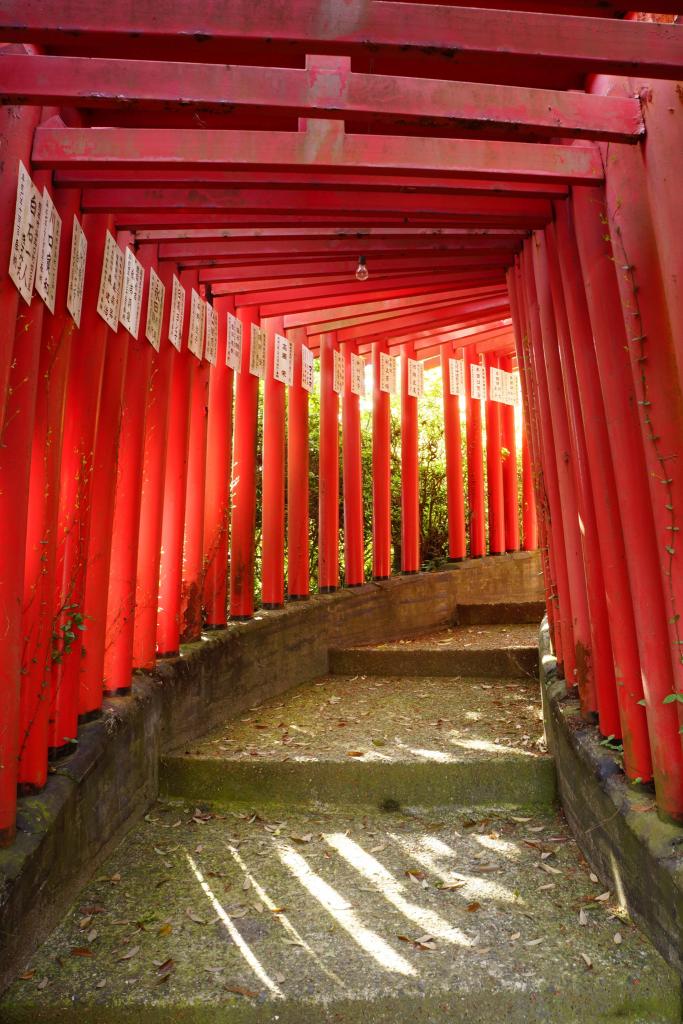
(79, 249)
(111, 279)
(456, 377)
(155, 309)
(387, 373)
(357, 374)
(500, 389)
(257, 355)
(195, 337)
(307, 364)
(415, 378)
(233, 352)
(175, 323)
(211, 348)
(338, 375)
(49, 234)
(24, 252)
(478, 381)
(283, 367)
(131, 299)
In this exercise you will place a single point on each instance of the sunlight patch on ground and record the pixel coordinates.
(340, 909)
(393, 891)
(282, 918)
(236, 937)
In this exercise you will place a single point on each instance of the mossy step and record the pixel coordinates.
(416, 660)
(202, 916)
(366, 740)
(362, 781)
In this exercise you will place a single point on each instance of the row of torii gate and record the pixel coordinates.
(510, 178)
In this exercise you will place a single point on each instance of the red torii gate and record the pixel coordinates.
(507, 207)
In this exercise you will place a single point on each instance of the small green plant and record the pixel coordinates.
(610, 743)
(63, 637)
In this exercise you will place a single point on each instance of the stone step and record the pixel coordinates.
(501, 612)
(376, 741)
(501, 650)
(336, 918)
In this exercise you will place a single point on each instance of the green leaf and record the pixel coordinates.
(673, 698)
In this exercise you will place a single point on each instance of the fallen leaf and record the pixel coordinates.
(280, 978)
(450, 886)
(517, 935)
(617, 938)
(194, 917)
(129, 955)
(471, 907)
(292, 942)
(301, 839)
(92, 935)
(43, 984)
(81, 951)
(26, 976)
(165, 970)
(355, 753)
(165, 929)
(101, 984)
(602, 898)
(583, 917)
(593, 878)
(587, 961)
(85, 921)
(533, 942)
(238, 990)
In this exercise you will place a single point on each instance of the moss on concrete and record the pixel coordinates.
(318, 917)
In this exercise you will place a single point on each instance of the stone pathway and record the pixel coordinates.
(372, 847)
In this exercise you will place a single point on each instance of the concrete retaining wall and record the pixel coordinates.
(615, 823)
(93, 797)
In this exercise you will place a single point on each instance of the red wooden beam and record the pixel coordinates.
(321, 267)
(349, 181)
(314, 231)
(294, 202)
(445, 107)
(376, 312)
(582, 44)
(324, 144)
(463, 315)
(462, 245)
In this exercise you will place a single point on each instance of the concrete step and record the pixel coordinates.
(501, 612)
(502, 650)
(339, 918)
(376, 741)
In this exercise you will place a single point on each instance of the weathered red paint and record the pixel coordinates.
(354, 540)
(273, 494)
(457, 533)
(328, 470)
(76, 489)
(162, 86)
(175, 488)
(494, 465)
(153, 488)
(525, 37)
(410, 472)
(636, 512)
(298, 571)
(243, 480)
(120, 611)
(381, 470)
(218, 456)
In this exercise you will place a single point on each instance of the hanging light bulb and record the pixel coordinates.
(362, 273)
